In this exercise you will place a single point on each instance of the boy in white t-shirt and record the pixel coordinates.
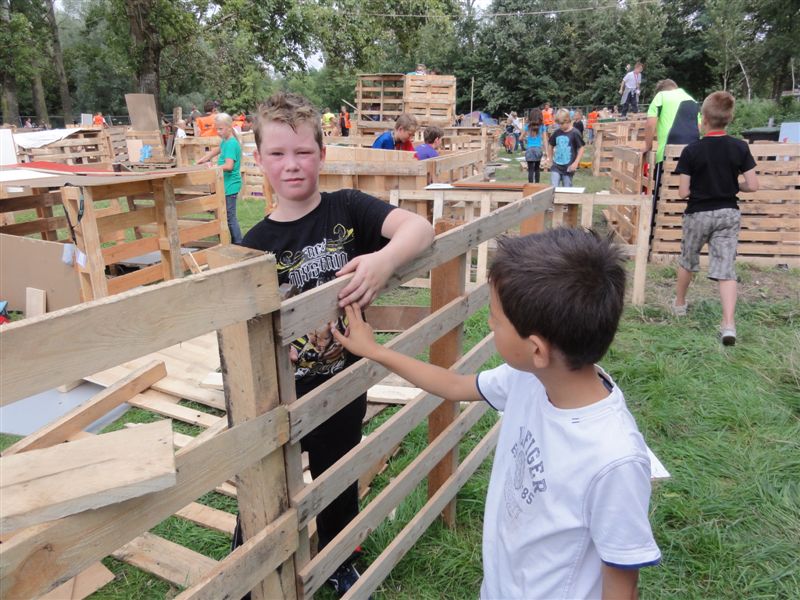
(567, 506)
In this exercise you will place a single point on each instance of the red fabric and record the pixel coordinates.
(53, 166)
(407, 145)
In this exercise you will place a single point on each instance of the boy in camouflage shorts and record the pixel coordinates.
(709, 170)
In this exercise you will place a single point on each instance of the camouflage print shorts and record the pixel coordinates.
(718, 228)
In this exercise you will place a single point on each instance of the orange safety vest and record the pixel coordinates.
(205, 126)
(547, 116)
(98, 120)
(346, 119)
(592, 119)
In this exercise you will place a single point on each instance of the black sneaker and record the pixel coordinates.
(343, 579)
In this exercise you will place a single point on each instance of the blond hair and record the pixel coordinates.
(562, 116)
(718, 109)
(407, 121)
(225, 119)
(289, 109)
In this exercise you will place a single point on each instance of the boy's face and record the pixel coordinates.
(290, 160)
(401, 134)
(566, 125)
(515, 350)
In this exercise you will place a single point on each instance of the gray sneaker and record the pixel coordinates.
(679, 311)
(728, 336)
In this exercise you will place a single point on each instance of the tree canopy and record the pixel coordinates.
(519, 53)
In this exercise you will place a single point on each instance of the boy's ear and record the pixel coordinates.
(541, 351)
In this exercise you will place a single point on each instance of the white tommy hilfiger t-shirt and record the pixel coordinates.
(569, 491)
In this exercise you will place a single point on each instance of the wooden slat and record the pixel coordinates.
(209, 517)
(160, 404)
(310, 410)
(328, 559)
(84, 415)
(380, 568)
(166, 560)
(251, 562)
(74, 543)
(50, 483)
(244, 290)
(82, 585)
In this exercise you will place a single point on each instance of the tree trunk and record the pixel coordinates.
(58, 61)
(39, 103)
(8, 80)
(145, 37)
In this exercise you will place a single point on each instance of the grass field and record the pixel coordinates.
(724, 421)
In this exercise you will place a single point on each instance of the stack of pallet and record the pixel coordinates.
(382, 97)
(83, 147)
(629, 133)
(770, 233)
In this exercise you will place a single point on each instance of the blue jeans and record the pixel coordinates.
(556, 177)
(517, 143)
(233, 222)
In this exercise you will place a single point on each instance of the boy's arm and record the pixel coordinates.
(408, 233)
(436, 380)
(684, 185)
(620, 584)
(750, 183)
(574, 166)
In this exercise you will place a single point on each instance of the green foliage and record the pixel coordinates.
(757, 113)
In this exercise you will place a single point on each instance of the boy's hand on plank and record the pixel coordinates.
(372, 272)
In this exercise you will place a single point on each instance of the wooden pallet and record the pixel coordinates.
(770, 231)
(382, 97)
(166, 211)
(85, 147)
(628, 133)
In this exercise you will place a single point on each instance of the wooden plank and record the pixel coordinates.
(249, 370)
(320, 305)
(330, 397)
(125, 220)
(158, 403)
(166, 560)
(330, 557)
(38, 559)
(447, 284)
(243, 568)
(82, 585)
(35, 302)
(87, 413)
(39, 361)
(402, 543)
(395, 318)
(50, 483)
(209, 517)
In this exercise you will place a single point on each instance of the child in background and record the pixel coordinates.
(433, 141)
(566, 149)
(317, 237)
(577, 121)
(592, 120)
(535, 144)
(344, 121)
(400, 139)
(229, 153)
(567, 506)
(327, 121)
(180, 129)
(547, 116)
(709, 169)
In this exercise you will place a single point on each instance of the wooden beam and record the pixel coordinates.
(47, 484)
(244, 290)
(249, 372)
(209, 517)
(447, 284)
(82, 585)
(87, 413)
(395, 318)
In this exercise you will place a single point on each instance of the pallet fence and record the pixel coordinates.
(258, 443)
(86, 147)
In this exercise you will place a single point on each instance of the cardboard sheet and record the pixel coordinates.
(143, 112)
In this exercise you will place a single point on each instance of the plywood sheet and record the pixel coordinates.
(143, 112)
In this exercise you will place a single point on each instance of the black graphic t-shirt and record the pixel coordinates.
(309, 252)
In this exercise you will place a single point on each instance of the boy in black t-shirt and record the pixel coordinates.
(566, 148)
(709, 169)
(317, 237)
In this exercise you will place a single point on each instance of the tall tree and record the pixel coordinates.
(58, 61)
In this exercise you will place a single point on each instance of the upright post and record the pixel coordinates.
(447, 283)
(90, 263)
(168, 235)
(250, 374)
(537, 222)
